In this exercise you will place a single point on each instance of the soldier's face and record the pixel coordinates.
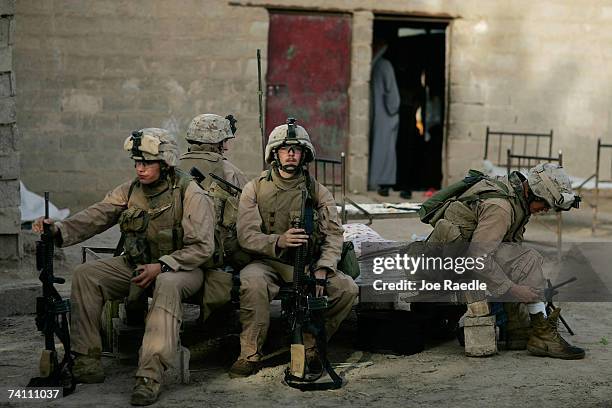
(290, 155)
(147, 171)
(538, 206)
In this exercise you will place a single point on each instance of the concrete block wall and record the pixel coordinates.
(93, 70)
(10, 216)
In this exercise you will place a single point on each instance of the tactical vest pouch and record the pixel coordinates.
(133, 224)
(230, 212)
(463, 217)
(348, 261)
(444, 232)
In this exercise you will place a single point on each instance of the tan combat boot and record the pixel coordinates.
(242, 368)
(518, 328)
(546, 341)
(88, 367)
(146, 391)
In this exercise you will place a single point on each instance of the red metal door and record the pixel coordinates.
(308, 76)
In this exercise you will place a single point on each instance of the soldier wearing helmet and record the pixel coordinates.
(208, 136)
(167, 224)
(492, 215)
(268, 206)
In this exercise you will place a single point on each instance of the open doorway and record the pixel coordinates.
(416, 49)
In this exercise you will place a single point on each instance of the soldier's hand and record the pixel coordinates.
(293, 237)
(525, 294)
(37, 226)
(146, 274)
(320, 274)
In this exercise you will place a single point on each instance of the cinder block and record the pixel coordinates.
(9, 166)
(10, 220)
(6, 88)
(6, 58)
(11, 249)
(8, 138)
(126, 339)
(5, 28)
(179, 372)
(8, 112)
(9, 193)
(7, 7)
(480, 339)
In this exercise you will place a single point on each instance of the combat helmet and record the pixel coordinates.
(210, 128)
(550, 183)
(289, 134)
(153, 144)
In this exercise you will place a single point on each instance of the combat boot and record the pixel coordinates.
(146, 391)
(518, 327)
(546, 341)
(87, 368)
(242, 368)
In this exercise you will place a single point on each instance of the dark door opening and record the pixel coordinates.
(416, 50)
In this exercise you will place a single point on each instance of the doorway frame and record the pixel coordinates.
(448, 21)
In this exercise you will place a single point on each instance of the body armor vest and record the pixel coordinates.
(279, 202)
(513, 188)
(206, 161)
(152, 223)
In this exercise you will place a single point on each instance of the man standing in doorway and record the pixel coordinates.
(384, 121)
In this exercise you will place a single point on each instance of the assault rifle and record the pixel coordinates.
(304, 312)
(52, 318)
(226, 183)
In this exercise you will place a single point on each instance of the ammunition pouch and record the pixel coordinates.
(133, 224)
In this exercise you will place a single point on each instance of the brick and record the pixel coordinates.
(9, 193)
(8, 138)
(10, 220)
(6, 58)
(6, 87)
(9, 166)
(7, 110)
(11, 249)
(5, 29)
(7, 7)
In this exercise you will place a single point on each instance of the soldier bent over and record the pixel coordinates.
(496, 211)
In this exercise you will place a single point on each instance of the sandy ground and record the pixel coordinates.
(439, 376)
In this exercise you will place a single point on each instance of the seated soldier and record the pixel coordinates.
(494, 212)
(208, 136)
(268, 206)
(167, 222)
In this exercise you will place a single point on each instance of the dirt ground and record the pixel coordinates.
(439, 376)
